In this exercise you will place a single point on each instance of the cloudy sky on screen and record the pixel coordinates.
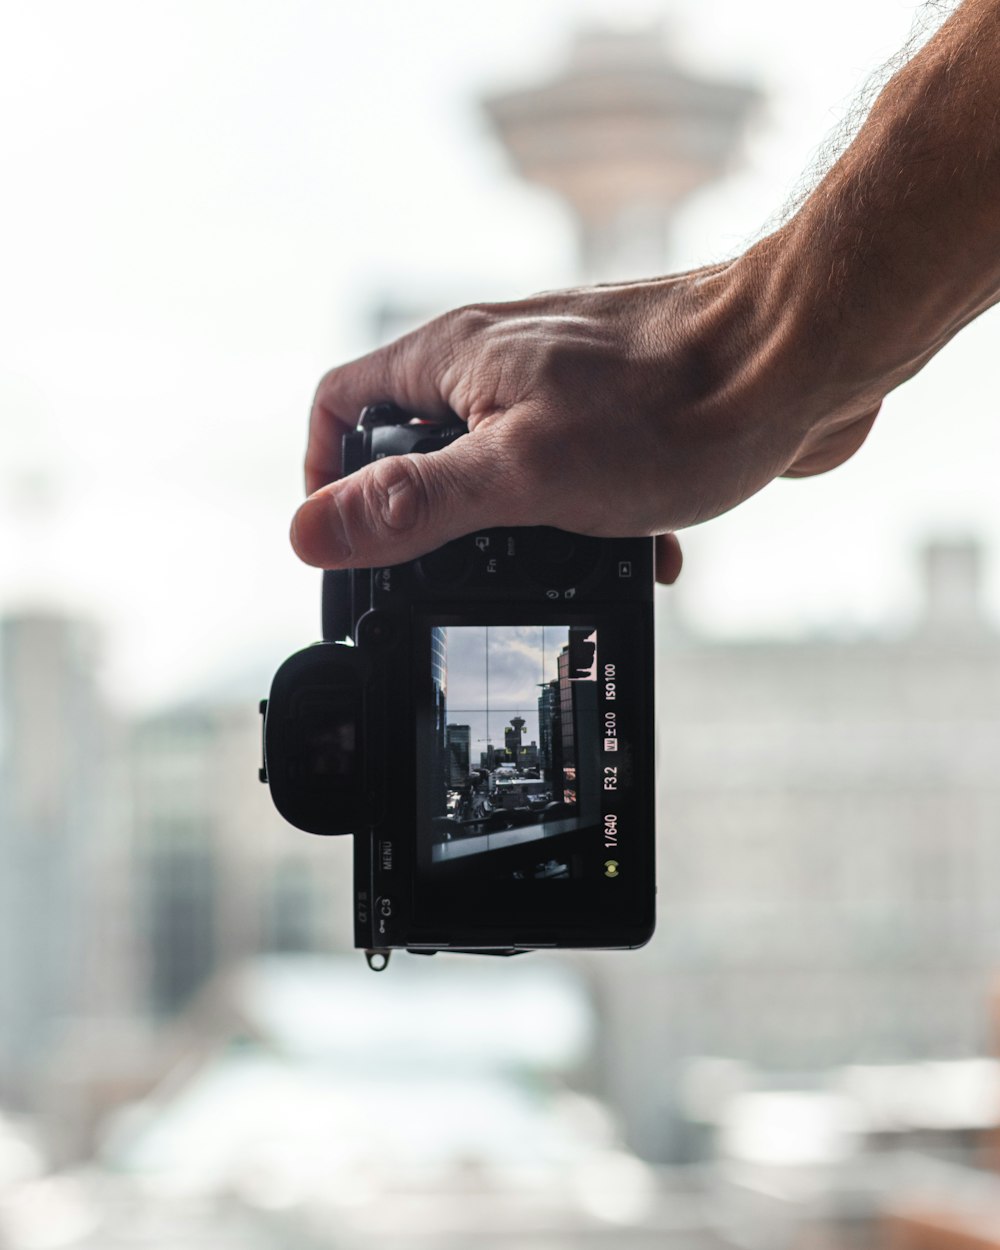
(510, 663)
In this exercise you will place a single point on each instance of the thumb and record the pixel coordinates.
(403, 506)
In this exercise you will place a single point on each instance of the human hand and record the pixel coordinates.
(613, 410)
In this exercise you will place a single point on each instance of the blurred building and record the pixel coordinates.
(66, 943)
(219, 876)
(338, 1110)
(961, 1211)
(458, 747)
(135, 864)
(830, 847)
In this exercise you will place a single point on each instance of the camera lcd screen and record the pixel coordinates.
(513, 751)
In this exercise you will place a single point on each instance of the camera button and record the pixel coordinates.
(555, 546)
(557, 559)
(448, 564)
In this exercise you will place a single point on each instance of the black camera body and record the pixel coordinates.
(481, 721)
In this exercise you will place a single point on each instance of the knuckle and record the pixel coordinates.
(472, 318)
(478, 331)
(397, 495)
(326, 385)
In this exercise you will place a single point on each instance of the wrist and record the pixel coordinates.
(776, 359)
(826, 347)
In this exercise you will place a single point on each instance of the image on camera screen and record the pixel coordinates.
(514, 761)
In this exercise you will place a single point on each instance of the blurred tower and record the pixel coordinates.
(623, 136)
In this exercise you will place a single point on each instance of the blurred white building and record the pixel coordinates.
(66, 943)
(829, 852)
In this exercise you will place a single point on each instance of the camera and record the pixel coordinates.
(480, 720)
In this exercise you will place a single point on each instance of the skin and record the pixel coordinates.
(646, 407)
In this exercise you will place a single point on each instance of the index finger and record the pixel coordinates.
(405, 372)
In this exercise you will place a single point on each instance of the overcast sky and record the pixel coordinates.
(495, 673)
(202, 204)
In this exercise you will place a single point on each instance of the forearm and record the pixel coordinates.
(899, 245)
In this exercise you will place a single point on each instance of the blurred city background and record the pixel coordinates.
(207, 205)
